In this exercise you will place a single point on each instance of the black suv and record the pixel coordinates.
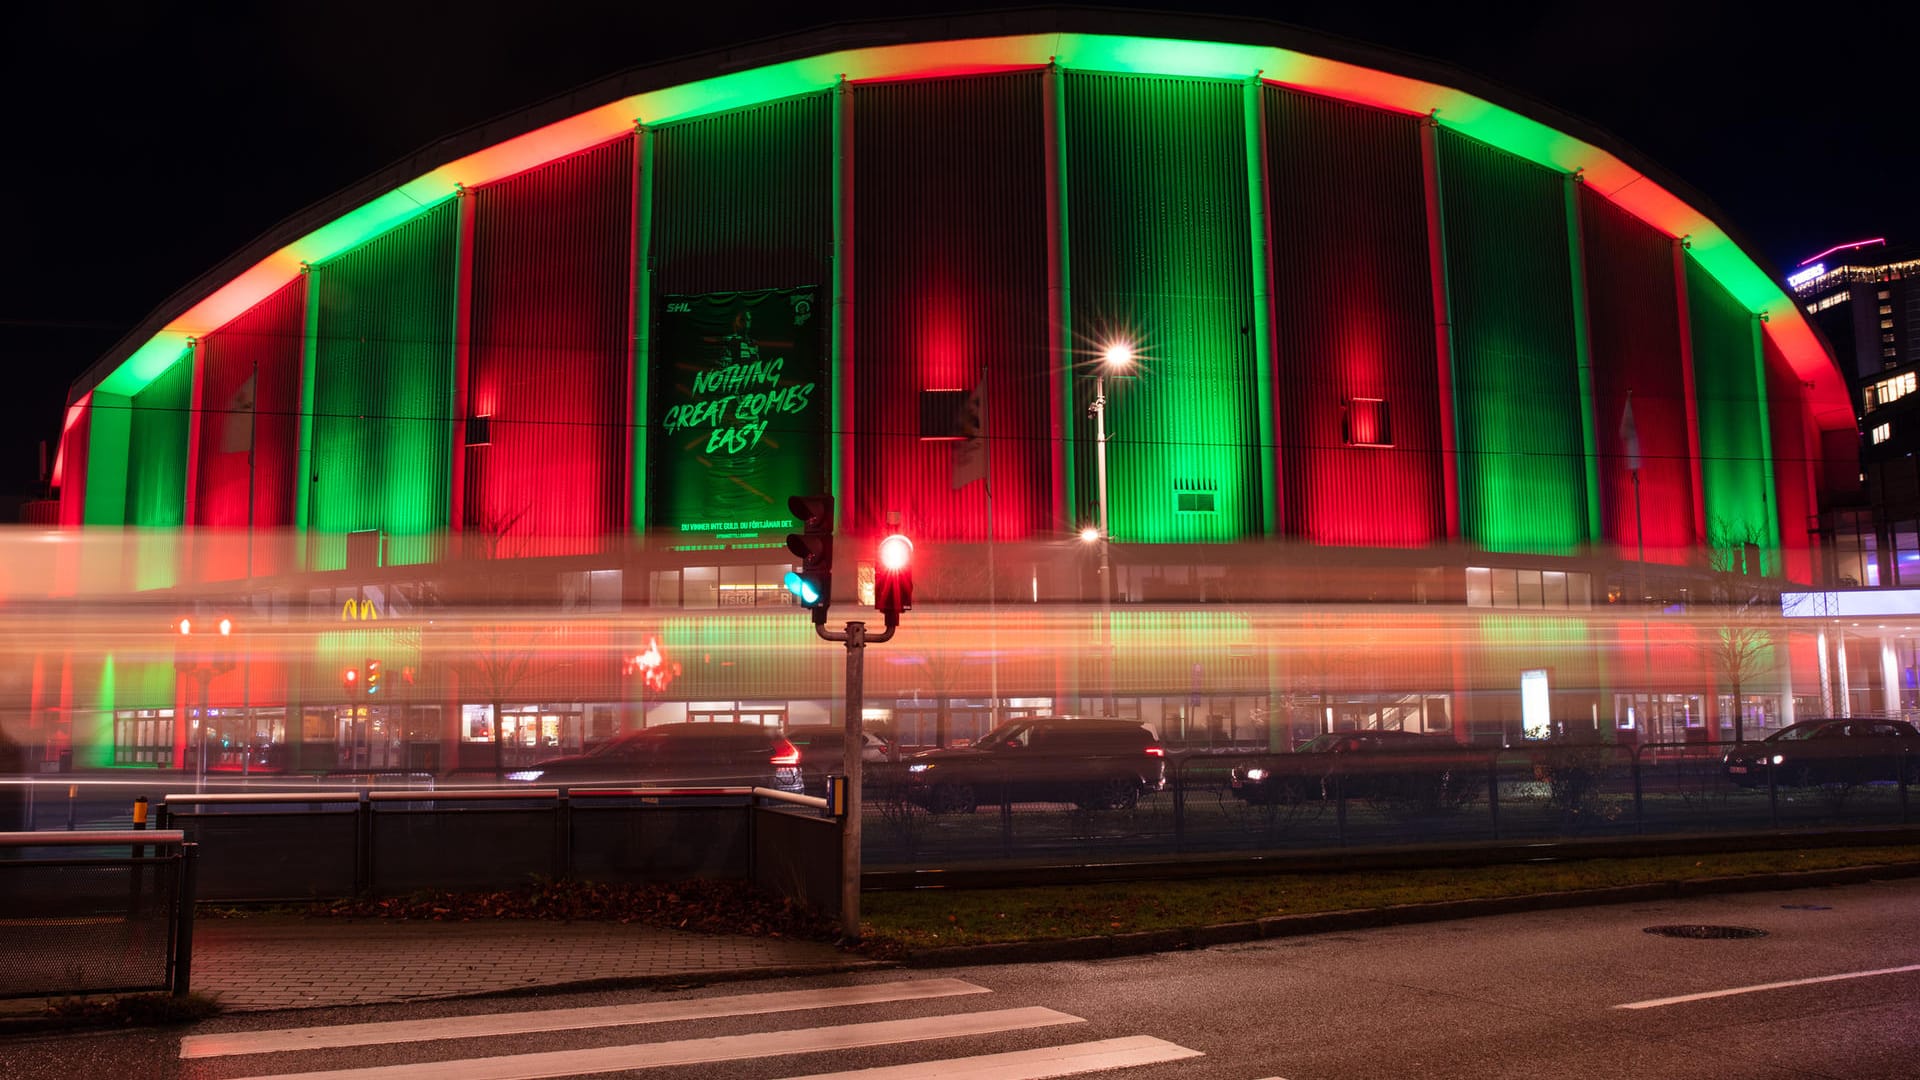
(1095, 764)
(680, 755)
(1853, 750)
(1382, 765)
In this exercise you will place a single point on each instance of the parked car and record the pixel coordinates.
(823, 753)
(1401, 766)
(1093, 763)
(680, 755)
(1854, 750)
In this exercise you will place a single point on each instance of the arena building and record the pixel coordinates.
(1443, 411)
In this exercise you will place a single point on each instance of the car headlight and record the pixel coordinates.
(918, 768)
(528, 775)
(1779, 760)
(1256, 774)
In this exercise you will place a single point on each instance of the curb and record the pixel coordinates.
(1322, 922)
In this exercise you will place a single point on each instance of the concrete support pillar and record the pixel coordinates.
(1840, 655)
(1889, 677)
(1826, 673)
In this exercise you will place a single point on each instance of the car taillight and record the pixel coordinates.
(1155, 751)
(785, 753)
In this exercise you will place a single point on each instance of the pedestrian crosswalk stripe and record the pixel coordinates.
(555, 1063)
(1039, 1064)
(488, 1024)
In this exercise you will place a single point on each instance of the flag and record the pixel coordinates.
(236, 431)
(1630, 436)
(970, 456)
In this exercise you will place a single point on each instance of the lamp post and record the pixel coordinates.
(1117, 357)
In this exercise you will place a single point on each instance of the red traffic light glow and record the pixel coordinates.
(896, 552)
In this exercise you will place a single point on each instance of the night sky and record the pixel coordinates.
(148, 141)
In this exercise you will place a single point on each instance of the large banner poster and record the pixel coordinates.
(740, 411)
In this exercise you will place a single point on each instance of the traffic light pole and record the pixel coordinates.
(856, 639)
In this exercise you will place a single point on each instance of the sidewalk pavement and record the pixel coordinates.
(289, 962)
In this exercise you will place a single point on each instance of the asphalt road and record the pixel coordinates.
(1530, 995)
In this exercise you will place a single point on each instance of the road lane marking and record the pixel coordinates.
(482, 1025)
(1040, 1064)
(1684, 998)
(554, 1063)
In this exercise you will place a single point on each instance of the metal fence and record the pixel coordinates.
(96, 912)
(1450, 796)
(316, 846)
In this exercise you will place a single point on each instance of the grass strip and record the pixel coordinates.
(939, 918)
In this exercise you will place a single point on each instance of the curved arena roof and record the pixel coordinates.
(1202, 47)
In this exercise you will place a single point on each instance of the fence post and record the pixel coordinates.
(183, 919)
(363, 844)
(1639, 810)
(1906, 771)
(1180, 804)
(1493, 793)
(1340, 805)
(136, 874)
(1006, 814)
(563, 836)
(1773, 797)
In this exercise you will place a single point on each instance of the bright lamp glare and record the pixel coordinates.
(1119, 354)
(1089, 534)
(186, 626)
(895, 552)
(226, 627)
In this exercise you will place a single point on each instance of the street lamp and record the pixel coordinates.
(1117, 357)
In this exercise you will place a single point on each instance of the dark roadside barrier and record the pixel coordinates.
(104, 912)
(293, 846)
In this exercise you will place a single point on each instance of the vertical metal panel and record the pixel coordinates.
(1793, 467)
(1516, 382)
(1636, 347)
(1732, 443)
(743, 200)
(157, 473)
(551, 296)
(107, 432)
(1352, 319)
(157, 448)
(950, 272)
(383, 388)
(250, 404)
(1157, 185)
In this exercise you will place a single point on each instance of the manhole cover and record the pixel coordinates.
(1698, 930)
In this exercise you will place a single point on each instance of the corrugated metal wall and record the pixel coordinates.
(383, 390)
(1634, 317)
(1516, 381)
(250, 403)
(552, 293)
(1352, 316)
(1159, 254)
(1732, 446)
(743, 200)
(1795, 467)
(950, 279)
(157, 474)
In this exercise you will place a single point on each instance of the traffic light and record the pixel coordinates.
(893, 578)
(350, 679)
(373, 677)
(812, 580)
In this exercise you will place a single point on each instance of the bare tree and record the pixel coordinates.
(1745, 602)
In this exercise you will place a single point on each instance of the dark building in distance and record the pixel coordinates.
(1865, 297)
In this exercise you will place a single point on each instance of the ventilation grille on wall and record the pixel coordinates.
(1193, 497)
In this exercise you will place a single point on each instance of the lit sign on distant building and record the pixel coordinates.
(1801, 277)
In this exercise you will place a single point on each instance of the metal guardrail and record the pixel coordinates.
(306, 846)
(115, 918)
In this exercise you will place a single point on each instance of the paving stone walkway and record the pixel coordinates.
(287, 962)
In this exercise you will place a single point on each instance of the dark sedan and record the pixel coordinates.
(680, 755)
(1096, 764)
(1390, 766)
(1849, 750)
